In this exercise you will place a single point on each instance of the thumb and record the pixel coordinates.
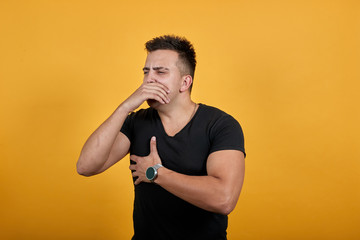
(153, 148)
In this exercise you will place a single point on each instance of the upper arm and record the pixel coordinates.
(118, 151)
(228, 166)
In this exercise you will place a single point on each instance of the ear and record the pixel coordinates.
(186, 83)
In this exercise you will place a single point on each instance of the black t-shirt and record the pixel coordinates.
(159, 214)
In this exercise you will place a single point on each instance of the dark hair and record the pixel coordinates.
(181, 45)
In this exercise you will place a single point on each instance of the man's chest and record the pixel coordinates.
(186, 152)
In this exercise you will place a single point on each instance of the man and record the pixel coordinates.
(187, 159)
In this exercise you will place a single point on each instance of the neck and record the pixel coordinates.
(176, 117)
(177, 111)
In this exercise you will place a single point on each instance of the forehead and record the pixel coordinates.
(161, 58)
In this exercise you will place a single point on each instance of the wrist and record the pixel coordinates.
(124, 108)
(161, 174)
(152, 172)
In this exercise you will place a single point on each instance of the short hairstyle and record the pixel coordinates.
(181, 45)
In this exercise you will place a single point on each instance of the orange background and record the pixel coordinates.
(288, 71)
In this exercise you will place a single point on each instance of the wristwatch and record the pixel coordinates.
(151, 172)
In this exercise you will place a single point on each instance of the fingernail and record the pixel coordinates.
(153, 138)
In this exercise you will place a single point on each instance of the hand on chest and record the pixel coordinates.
(186, 152)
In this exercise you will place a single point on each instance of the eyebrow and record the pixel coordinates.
(156, 68)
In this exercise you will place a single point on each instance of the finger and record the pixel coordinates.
(158, 98)
(153, 149)
(159, 90)
(160, 85)
(137, 181)
(134, 158)
(157, 95)
(134, 174)
(132, 167)
(157, 87)
(165, 97)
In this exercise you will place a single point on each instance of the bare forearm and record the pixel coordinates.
(99, 151)
(206, 192)
(97, 148)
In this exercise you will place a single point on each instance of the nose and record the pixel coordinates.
(150, 77)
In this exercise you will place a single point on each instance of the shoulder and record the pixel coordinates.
(211, 110)
(136, 120)
(142, 114)
(225, 131)
(216, 116)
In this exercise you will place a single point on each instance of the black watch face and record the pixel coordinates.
(150, 173)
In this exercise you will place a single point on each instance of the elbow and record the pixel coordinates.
(226, 206)
(228, 209)
(83, 170)
(226, 202)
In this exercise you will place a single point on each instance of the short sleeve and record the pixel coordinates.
(127, 127)
(226, 134)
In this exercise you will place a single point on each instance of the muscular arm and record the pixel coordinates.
(107, 145)
(216, 192)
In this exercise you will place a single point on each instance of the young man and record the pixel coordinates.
(187, 159)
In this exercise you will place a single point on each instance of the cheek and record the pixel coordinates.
(163, 81)
(166, 81)
(171, 82)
